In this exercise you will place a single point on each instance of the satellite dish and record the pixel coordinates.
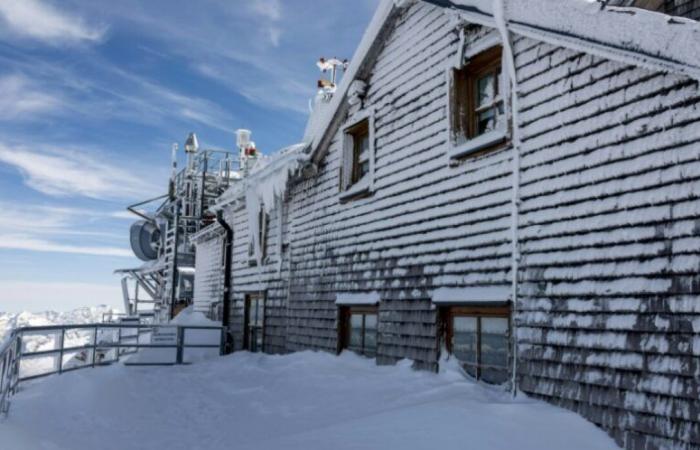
(145, 239)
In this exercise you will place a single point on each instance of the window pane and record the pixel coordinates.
(485, 90)
(355, 343)
(370, 335)
(363, 144)
(494, 349)
(464, 342)
(364, 168)
(486, 121)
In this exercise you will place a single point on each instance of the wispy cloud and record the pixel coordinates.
(21, 98)
(270, 13)
(40, 21)
(25, 242)
(56, 229)
(62, 173)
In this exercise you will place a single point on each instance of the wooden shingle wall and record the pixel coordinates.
(428, 225)
(270, 280)
(609, 316)
(209, 280)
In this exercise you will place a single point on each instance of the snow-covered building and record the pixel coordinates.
(514, 184)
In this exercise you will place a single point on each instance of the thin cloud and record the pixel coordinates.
(21, 98)
(57, 229)
(269, 9)
(70, 173)
(55, 221)
(24, 242)
(38, 20)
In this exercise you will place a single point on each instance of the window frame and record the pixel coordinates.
(249, 299)
(364, 123)
(345, 313)
(448, 314)
(463, 142)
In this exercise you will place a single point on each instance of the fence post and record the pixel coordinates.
(222, 343)
(180, 343)
(14, 381)
(61, 347)
(94, 348)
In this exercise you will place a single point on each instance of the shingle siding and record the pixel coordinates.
(208, 282)
(608, 310)
(607, 318)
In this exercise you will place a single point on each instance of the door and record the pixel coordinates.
(254, 323)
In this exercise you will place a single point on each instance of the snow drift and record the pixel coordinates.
(300, 401)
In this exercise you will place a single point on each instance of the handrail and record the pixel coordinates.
(12, 352)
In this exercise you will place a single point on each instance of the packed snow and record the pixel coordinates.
(308, 400)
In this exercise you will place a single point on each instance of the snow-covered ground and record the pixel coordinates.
(301, 401)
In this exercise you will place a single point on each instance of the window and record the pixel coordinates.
(358, 330)
(264, 221)
(479, 339)
(357, 171)
(478, 120)
(254, 327)
(360, 151)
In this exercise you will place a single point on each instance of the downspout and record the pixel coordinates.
(499, 11)
(228, 249)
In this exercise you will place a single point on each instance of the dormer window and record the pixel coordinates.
(478, 119)
(357, 171)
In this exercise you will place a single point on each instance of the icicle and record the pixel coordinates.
(499, 14)
(265, 189)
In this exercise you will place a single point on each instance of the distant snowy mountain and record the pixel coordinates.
(10, 321)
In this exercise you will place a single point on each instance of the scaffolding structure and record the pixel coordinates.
(164, 284)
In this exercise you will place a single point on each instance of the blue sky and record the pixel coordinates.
(93, 94)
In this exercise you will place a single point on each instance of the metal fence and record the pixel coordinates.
(36, 352)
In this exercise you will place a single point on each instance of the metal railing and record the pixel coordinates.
(75, 347)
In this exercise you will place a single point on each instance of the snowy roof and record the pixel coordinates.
(629, 35)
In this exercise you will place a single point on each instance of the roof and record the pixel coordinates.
(628, 35)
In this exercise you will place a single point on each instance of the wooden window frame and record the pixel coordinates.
(352, 186)
(448, 313)
(345, 313)
(249, 298)
(462, 108)
(358, 133)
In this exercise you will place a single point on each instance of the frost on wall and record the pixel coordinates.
(265, 187)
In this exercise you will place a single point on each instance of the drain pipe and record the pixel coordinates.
(228, 250)
(499, 14)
